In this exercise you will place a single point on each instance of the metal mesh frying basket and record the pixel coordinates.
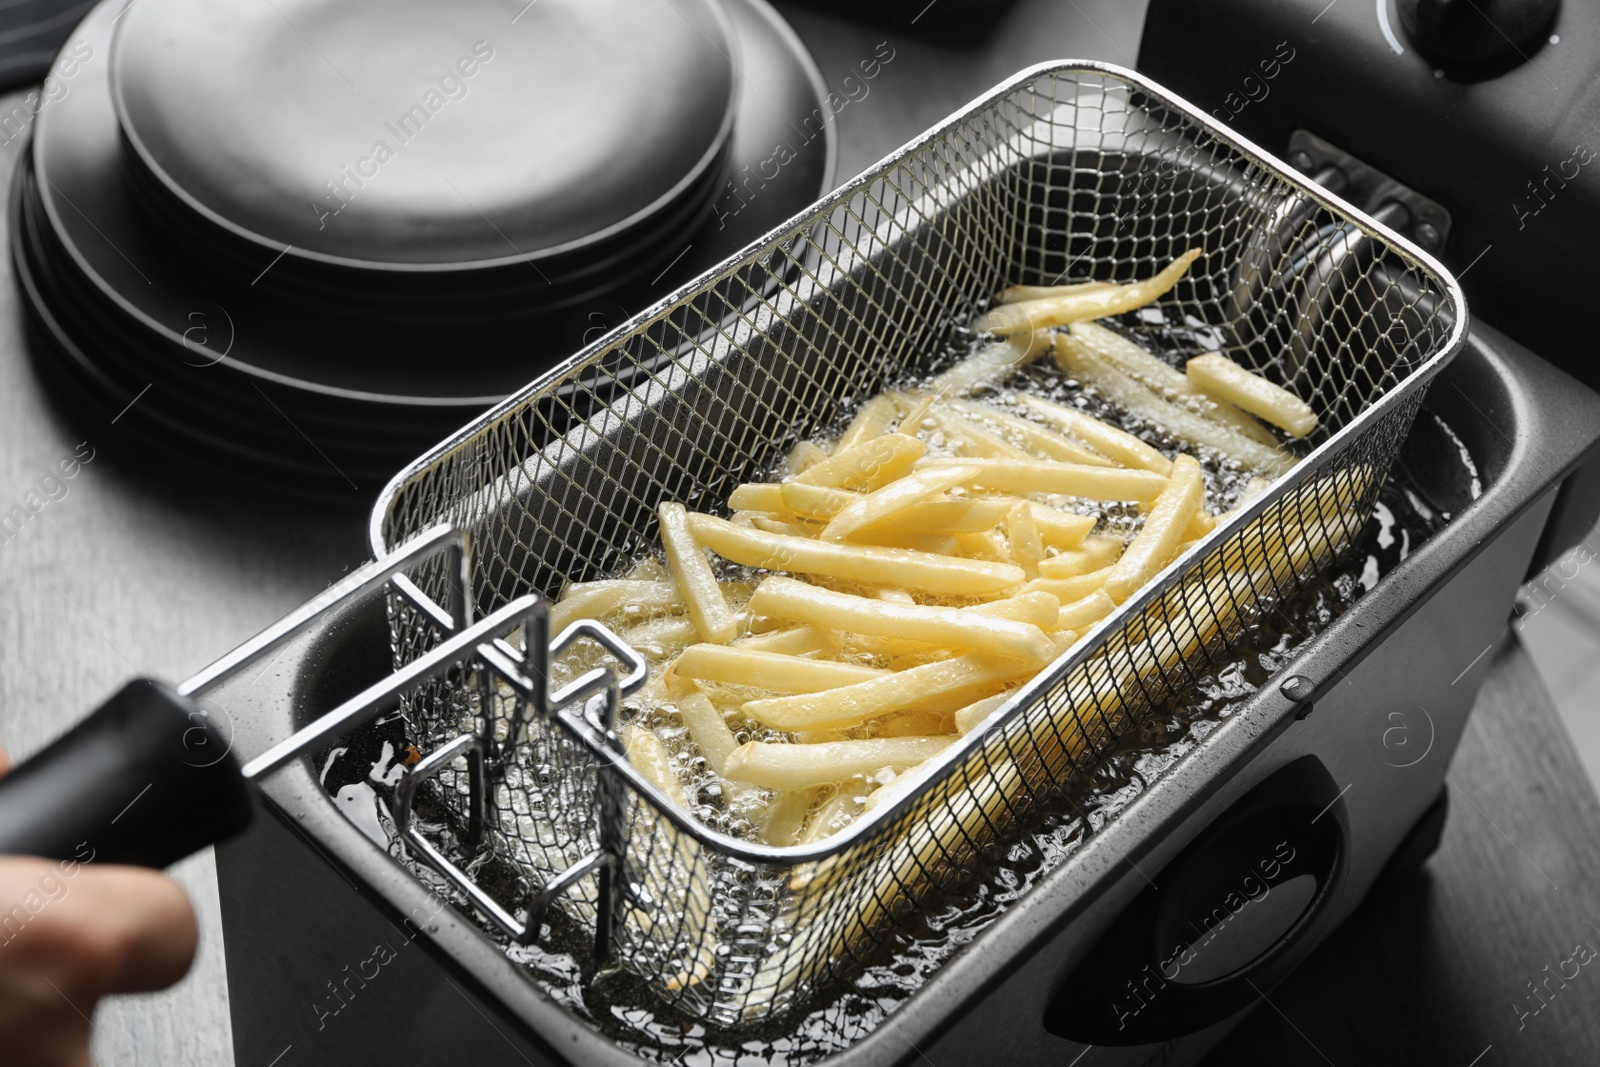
(1070, 171)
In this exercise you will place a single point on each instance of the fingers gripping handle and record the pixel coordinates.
(147, 779)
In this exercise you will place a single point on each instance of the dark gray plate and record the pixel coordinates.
(413, 135)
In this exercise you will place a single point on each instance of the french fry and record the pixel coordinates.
(798, 601)
(1180, 422)
(1200, 524)
(662, 637)
(905, 568)
(759, 496)
(974, 440)
(972, 515)
(1060, 529)
(916, 413)
(989, 365)
(780, 766)
(1043, 442)
(916, 724)
(1082, 614)
(701, 593)
(1037, 608)
(872, 420)
(974, 714)
(1014, 294)
(1060, 479)
(958, 680)
(767, 670)
(596, 600)
(778, 526)
(1226, 380)
(932, 654)
(803, 456)
(1027, 548)
(881, 504)
(1031, 316)
(873, 645)
(867, 466)
(1097, 552)
(1068, 590)
(838, 811)
(1164, 527)
(813, 502)
(1163, 378)
(987, 545)
(1120, 445)
(799, 641)
(707, 728)
(645, 751)
(916, 540)
(1254, 488)
(787, 816)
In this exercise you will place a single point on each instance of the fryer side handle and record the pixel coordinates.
(146, 779)
(1222, 923)
(1573, 517)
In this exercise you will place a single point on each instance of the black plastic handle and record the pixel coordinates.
(147, 779)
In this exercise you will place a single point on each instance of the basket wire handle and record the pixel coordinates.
(526, 672)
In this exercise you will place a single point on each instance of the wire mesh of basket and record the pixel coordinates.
(1070, 171)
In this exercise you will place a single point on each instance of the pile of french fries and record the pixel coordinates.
(890, 590)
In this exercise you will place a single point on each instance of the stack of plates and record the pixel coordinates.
(306, 240)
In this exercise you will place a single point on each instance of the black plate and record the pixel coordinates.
(544, 129)
(287, 386)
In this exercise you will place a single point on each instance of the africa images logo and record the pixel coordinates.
(404, 128)
(1400, 733)
(51, 487)
(743, 187)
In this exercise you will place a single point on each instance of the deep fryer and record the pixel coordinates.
(1274, 779)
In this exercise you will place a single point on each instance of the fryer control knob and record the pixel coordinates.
(1476, 29)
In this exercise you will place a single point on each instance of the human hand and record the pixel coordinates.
(72, 932)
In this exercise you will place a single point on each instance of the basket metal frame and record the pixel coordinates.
(1309, 465)
(587, 706)
(520, 673)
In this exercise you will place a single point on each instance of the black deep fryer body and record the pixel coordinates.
(1422, 640)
